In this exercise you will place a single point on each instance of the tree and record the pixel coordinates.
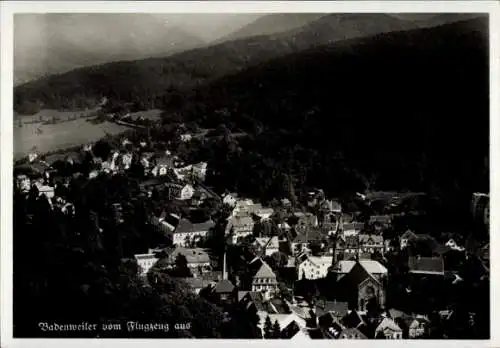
(181, 267)
(268, 328)
(102, 149)
(315, 247)
(280, 259)
(276, 332)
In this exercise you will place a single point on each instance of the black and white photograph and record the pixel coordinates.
(256, 175)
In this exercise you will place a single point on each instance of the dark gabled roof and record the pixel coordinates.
(352, 320)
(308, 235)
(290, 330)
(278, 306)
(254, 299)
(426, 265)
(196, 283)
(316, 334)
(357, 275)
(335, 307)
(187, 226)
(224, 286)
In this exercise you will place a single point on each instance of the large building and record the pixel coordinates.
(314, 267)
(187, 232)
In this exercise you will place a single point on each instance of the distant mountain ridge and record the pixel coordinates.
(153, 80)
(68, 41)
(272, 24)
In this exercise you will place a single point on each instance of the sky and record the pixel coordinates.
(44, 43)
(206, 26)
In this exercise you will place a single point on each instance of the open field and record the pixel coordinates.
(48, 114)
(58, 136)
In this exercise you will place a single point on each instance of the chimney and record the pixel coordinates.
(224, 270)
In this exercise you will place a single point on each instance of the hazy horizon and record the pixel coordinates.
(48, 43)
(45, 42)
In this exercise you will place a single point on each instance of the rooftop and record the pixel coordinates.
(321, 260)
(308, 235)
(186, 226)
(371, 266)
(426, 265)
(335, 307)
(388, 323)
(193, 255)
(370, 238)
(223, 286)
(265, 271)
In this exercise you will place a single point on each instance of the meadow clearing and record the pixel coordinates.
(50, 137)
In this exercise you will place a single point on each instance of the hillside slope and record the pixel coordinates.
(272, 24)
(147, 80)
(62, 42)
(405, 110)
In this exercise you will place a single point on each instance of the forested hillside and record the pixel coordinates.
(155, 81)
(407, 110)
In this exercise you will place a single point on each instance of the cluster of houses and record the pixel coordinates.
(43, 174)
(324, 243)
(319, 242)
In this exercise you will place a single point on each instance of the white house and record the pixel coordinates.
(196, 259)
(230, 199)
(241, 206)
(186, 137)
(127, 160)
(32, 156)
(199, 170)
(239, 227)
(264, 213)
(186, 192)
(145, 262)
(23, 183)
(314, 267)
(265, 280)
(418, 327)
(389, 329)
(182, 192)
(454, 246)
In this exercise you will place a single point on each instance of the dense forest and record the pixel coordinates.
(406, 110)
(154, 81)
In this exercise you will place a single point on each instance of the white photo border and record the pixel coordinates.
(9, 8)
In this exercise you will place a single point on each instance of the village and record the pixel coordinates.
(322, 268)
